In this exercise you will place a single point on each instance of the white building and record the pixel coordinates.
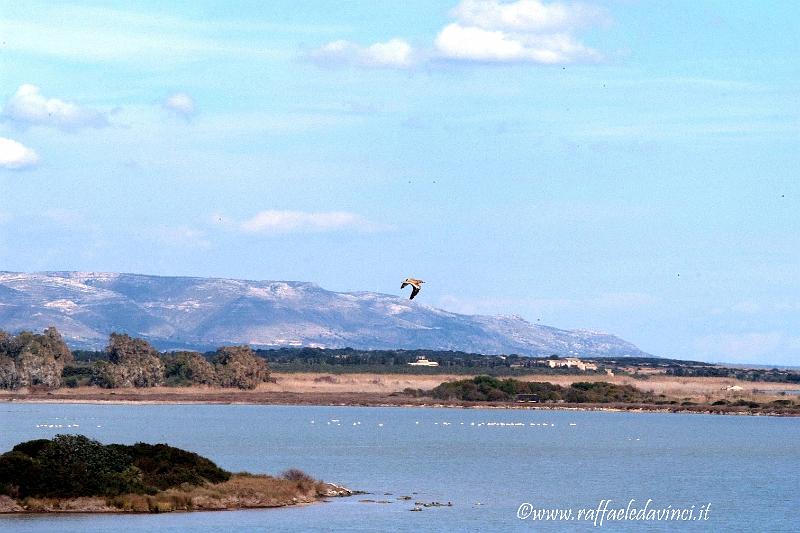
(422, 361)
(570, 362)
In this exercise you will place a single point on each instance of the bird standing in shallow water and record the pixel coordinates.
(416, 285)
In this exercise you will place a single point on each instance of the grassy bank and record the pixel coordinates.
(241, 491)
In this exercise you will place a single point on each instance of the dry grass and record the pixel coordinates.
(242, 491)
(376, 389)
(371, 383)
(694, 388)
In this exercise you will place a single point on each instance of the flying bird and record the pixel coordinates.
(416, 285)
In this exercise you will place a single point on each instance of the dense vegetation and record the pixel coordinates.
(131, 363)
(349, 360)
(745, 374)
(31, 360)
(488, 388)
(74, 465)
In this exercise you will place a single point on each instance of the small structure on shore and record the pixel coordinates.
(570, 362)
(423, 361)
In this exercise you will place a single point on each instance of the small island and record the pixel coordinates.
(72, 473)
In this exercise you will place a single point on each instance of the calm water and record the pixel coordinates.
(747, 468)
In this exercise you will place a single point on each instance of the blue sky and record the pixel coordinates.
(621, 166)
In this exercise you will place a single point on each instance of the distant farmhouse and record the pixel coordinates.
(571, 362)
(422, 361)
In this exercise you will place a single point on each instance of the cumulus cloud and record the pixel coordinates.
(469, 43)
(522, 31)
(273, 221)
(486, 31)
(16, 156)
(181, 104)
(527, 15)
(28, 106)
(395, 53)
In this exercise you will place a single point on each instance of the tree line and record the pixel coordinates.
(44, 360)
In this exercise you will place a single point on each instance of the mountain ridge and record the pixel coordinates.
(200, 313)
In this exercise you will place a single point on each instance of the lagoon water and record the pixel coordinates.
(747, 468)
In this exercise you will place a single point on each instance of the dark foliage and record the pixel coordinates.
(745, 374)
(30, 359)
(131, 363)
(347, 360)
(487, 388)
(164, 466)
(183, 369)
(603, 392)
(238, 366)
(74, 465)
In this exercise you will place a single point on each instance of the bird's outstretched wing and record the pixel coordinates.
(414, 292)
(403, 285)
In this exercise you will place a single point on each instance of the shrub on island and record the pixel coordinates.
(74, 465)
(490, 389)
(75, 473)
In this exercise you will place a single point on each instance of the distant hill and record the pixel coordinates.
(202, 313)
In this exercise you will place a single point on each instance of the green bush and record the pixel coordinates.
(487, 388)
(74, 465)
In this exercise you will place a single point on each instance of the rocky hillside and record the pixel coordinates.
(201, 313)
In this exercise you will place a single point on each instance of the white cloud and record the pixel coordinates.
(28, 106)
(181, 104)
(527, 15)
(273, 221)
(521, 31)
(489, 31)
(16, 156)
(395, 53)
(470, 43)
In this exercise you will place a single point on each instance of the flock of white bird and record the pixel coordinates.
(338, 422)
